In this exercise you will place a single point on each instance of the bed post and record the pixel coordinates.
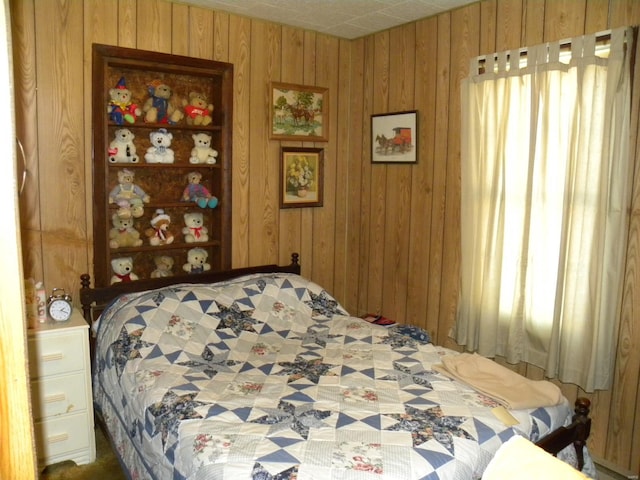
(85, 284)
(583, 427)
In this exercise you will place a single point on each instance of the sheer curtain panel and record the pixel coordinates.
(546, 185)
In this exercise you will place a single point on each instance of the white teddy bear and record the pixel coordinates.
(194, 231)
(160, 151)
(121, 148)
(202, 151)
(122, 270)
(196, 261)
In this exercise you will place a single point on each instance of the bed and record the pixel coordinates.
(259, 373)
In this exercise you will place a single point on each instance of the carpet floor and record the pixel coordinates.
(106, 466)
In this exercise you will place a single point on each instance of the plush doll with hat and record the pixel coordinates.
(158, 107)
(159, 233)
(121, 108)
(198, 193)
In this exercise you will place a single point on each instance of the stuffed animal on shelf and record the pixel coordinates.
(122, 270)
(164, 266)
(122, 148)
(194, 230)
(197, 109)
(123, 234)
(160, 151)
(121, 108)
(198, 193)
(196, 261)
(159, 233)
(202, 151)
(158, 107)
(128, 192)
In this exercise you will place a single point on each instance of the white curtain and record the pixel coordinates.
(546, 183)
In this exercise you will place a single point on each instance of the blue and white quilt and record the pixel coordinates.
(268, 377)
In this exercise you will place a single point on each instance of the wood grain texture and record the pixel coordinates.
(387, 239)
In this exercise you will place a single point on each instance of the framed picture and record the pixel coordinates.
(298, 112)
(394, 137)
(301, 172)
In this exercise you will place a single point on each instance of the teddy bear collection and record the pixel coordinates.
(130, 198)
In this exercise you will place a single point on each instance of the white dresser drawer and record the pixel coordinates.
(59, 352)
(59, 395)
(62, 435)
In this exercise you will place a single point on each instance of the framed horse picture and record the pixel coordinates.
(299, 112)
(394, 137)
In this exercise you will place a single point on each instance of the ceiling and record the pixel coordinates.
(342, 18)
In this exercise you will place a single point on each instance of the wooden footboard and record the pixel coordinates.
(576, 433)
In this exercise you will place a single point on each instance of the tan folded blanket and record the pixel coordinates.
(505, 386)
(521, 459)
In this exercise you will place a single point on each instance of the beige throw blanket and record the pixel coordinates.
(509, 388)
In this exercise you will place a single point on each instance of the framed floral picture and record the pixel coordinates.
(298, 112)
(394, 137)
(301, 171)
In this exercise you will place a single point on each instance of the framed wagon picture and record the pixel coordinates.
(298, 112)
(301, 177)
(394, 137)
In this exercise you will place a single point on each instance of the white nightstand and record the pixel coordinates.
(61, 391)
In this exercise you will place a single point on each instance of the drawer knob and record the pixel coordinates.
(52, 357)
(56, 397)
(61, 437)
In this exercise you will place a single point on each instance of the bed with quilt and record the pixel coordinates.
(266, 376)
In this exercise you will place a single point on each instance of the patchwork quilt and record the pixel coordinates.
(268, 377)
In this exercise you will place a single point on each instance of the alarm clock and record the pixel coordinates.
(59, 306)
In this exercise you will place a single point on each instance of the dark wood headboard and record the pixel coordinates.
(95, 300)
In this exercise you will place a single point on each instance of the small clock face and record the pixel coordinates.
(60, 310)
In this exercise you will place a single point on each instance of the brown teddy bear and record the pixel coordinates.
(198, 109)
(159, 233)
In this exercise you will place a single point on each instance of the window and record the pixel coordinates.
(545, 198)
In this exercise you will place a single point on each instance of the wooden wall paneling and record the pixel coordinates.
(596, 16)
(181, 29)
(398, 181)
(378, 205)
(307, 242)
(508, 25)
(221, 37)
(200, 33)
(292, 56)
(533, 22)
(465, 32)
(422, 177)
(490, 26)
(127, 23)
(623, 13)
(240, 55)
(436, 267)
(625, 393)
(353, 161)
(25, 75)
(153, 25)
(324, 218)
(263, 171)
(99, 18)
(59, 56)
(563, 19)
(342, 146)
(365, 220)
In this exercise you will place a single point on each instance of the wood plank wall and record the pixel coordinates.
(387, 238)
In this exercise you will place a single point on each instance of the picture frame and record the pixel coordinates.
(394, 137)
(298, 112)
(301, 177)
